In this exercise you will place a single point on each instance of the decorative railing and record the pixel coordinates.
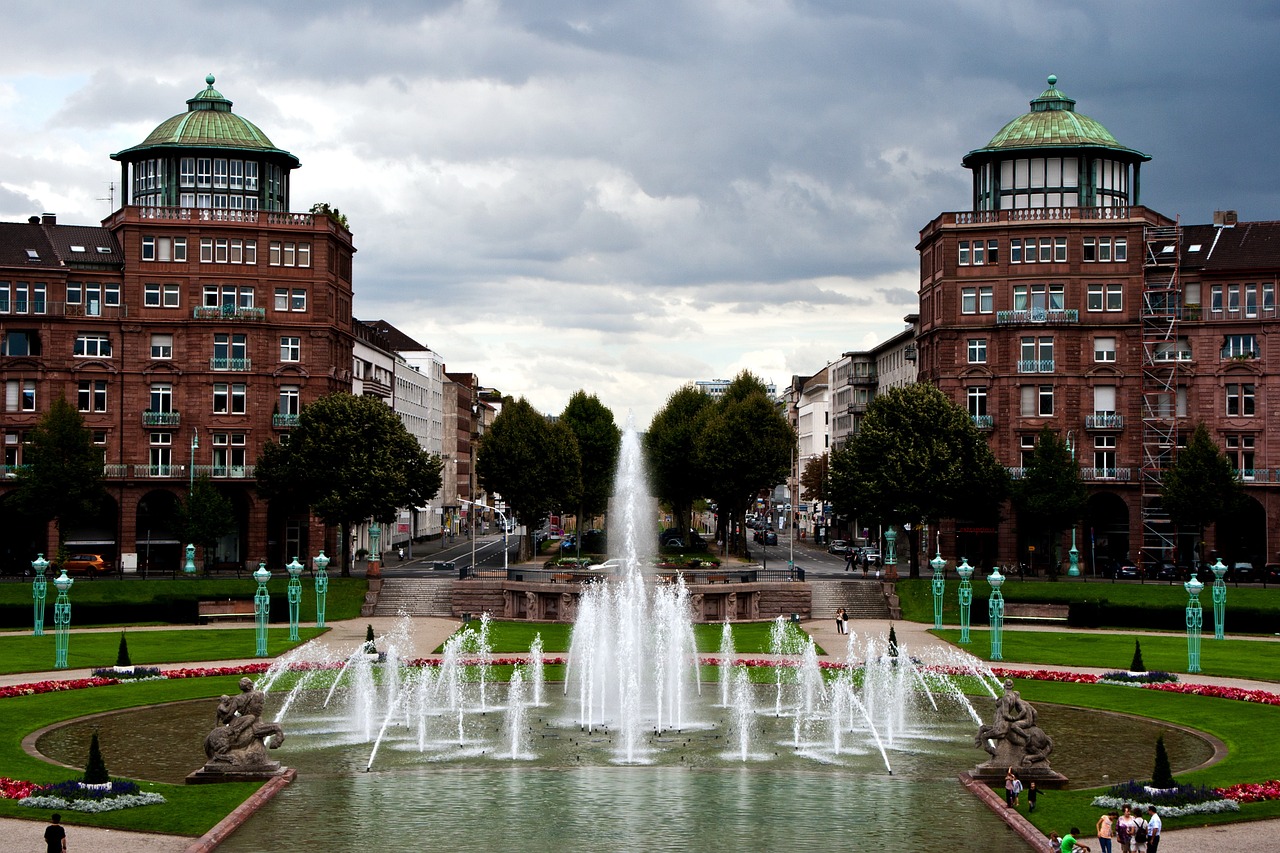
(234, 364)
(1119, 474)
(1016, 473)
(220, 214)
(1104, 421)
(284, 420)
(232, 472)
(161, 471)
(1035, 365)
(150, 418)
(1038, 316)
(984, 421)
(229, 312)
(8, 472)
(115, 471)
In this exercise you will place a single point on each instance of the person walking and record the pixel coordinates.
(1106, 829)
(1008, 787)
(1032, 793)
(1017, 790)
(55, 837)
(840, 622)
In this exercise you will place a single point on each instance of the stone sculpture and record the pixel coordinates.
(1015, 740)
(237, 746)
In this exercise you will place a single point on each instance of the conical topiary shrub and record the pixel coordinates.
(95, 772)
(893, 643)
(1137, 665)
(1162, 774)
(369, 646)
(122, 656)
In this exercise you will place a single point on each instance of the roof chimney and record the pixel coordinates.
(33, 220)
(1225, 218)
(48, 219)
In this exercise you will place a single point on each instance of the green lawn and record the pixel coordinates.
(25, 653)
(189, 810)
(1254, 659)
(104, 602)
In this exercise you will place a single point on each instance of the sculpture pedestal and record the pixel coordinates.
(206, 775)
(992, 775)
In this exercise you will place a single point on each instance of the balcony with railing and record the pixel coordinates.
(284, 420)
(1035, 365)
(1122, 475)
(229, 312)
(1104, 420)
(165, 418)
(984, 422)
(170, 472)
(231, 364)
(115, 471)
(1038, 317)
(230, 472)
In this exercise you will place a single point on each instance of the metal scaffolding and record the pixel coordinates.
(1162, 355)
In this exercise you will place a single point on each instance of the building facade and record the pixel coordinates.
(189, 329)
(1057, 300)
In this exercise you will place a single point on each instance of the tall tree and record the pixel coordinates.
(349, 459)
(917, 458)
(598, 440)
(531, 462)
(1201, 486)
(1050, 494)
(206, 516)
(813, 480)
(744, 447)
(61, 475)
(671, 448)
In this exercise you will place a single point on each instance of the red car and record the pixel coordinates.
(87, 564)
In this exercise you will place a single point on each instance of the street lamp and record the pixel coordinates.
(262, 606)
(191, 473)
(1219, 599)
(189, 567)
(295, 596)
(322, 586)
(62, 620)
(1074, 571)
(965, 571)
(995, 613)
(891, 557)
(39, 586)
(1195, 619)
(503, 516)
(939, 583)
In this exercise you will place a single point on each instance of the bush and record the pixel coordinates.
(1162, 774)
(122, 656)
(95, 771)
(1137, 665)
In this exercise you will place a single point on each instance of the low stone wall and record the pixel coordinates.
(558, 602)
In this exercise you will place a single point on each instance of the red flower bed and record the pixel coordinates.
(1261, 696)
(16, 789)
(1255, 792)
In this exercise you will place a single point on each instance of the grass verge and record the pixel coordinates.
(749, 638)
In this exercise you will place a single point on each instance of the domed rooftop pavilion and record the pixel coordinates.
(1054, 157)
(208, 158)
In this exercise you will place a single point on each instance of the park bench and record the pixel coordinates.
(562, 578)
(1023, 612)
(717, 578)
(226, 610)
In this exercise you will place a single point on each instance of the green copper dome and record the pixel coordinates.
(209, 123)
(1052, 123)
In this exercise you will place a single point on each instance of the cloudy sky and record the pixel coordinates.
(627, 196)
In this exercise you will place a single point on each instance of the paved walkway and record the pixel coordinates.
(425, 634)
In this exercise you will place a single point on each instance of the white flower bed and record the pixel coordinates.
(1207, 807)
(109, 804)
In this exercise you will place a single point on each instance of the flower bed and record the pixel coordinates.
(77, 796)
(1138, 679)
(1252, 792)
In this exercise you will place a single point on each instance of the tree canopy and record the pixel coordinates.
(813, 479)
(598, 440)
(61, 475)
(1050, 494)
(917, 457)
(206, 515)
(671, 448)
(1201, 485)
(350, 458)
(531, 462)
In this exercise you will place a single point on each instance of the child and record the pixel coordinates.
(1031, 796)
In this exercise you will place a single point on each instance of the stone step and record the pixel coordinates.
(860, 599)
(415, 597)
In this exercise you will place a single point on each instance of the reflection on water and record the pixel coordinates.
(571, 797)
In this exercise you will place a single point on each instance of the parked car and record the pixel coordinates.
(1271, 573)
(1165, 570)
(1241, 572)
(611, 566)
(1128, 571)
(86, 564)
(672, 538)
(769, 537)
(568, 543)
(1106, 566)
(839, 546)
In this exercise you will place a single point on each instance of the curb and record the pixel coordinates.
(229, 824)
(1015, 821)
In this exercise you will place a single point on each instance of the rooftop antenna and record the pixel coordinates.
(111, 196)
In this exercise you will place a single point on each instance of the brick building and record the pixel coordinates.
(189, 329)
(1058, 300)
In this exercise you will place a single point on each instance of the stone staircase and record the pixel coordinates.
(415, 596)
(861, 599)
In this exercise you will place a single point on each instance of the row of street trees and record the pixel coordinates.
(728, 450)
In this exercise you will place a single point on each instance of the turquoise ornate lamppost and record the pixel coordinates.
(322, 586)
(1194, 620)
(995, 612)
(891, 553)
(1219, 599)
(262, 606)
(39, 587)
(1074, 553)
(295, 596)
(939, 584)
(965, 571)
(189, 567)
(62, 620)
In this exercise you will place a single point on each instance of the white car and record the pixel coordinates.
(612, 565)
